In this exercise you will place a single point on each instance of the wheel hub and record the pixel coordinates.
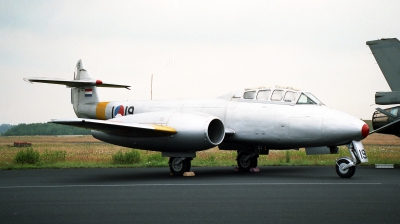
(341, 168)
(244, 163)
(176, 165)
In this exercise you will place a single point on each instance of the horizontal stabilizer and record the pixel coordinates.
(128, 129)
(75, 83)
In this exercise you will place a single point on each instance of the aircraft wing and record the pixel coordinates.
(75, 83)
(129, 129)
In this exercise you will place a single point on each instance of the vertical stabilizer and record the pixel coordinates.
(84, 95)
(80, 72)
(387, 54)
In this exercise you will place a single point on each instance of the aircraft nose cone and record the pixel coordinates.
(340, 128)
(365, 130)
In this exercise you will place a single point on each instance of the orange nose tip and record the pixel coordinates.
(365, 130)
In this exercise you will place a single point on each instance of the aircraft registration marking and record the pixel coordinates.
(363, 154)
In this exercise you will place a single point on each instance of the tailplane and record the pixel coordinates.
(83, 88)
(81, 78)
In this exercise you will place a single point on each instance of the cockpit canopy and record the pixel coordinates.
(279, 94)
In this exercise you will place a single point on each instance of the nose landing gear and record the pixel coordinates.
(345, 166)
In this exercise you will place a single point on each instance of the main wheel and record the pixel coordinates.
(246, 165)
(344, 173)
(178, 168)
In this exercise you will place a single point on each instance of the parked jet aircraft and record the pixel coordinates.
(387, 54)
(251, 121)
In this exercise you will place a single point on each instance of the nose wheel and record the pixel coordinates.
(345, 168)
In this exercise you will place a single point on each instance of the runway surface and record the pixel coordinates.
(215, 195)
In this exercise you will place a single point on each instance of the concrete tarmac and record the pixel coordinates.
(215, 195)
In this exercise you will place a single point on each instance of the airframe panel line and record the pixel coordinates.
(155, 185)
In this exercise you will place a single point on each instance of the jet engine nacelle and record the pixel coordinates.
(194, 132)
(380, 119)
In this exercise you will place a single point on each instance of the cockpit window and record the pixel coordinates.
(315, 99)
(263, 94)
(305, 100)
(290, 96)
(308, 98)
(249, 95)
(277, 95)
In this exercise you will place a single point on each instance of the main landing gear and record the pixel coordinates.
(246, 160)
(179, 165)
(345, 166)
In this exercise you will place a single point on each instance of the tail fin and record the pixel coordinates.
(387, 54)
(86, 94)
(83, 87)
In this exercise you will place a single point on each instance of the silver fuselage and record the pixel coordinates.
(275, 125)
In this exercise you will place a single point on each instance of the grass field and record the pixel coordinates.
(85, 151)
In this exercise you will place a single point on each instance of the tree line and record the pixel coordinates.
(43, 129)
(5, 127)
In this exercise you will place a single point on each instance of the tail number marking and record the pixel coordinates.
(362, 153)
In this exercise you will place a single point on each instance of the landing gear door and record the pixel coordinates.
(361, 154)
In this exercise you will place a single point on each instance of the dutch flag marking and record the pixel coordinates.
(88, 92)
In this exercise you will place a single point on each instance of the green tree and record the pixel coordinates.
(44, 129)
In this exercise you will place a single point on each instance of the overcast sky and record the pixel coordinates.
(195, 49)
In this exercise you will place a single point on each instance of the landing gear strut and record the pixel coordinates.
(179, 165)
(345, 166)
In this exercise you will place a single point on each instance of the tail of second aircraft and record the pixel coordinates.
(84, 96)
(387, 53)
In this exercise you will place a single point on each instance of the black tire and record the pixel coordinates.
(178, 169)
(254, 161)
(246, 165)
(188, 162)
(344, 173)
